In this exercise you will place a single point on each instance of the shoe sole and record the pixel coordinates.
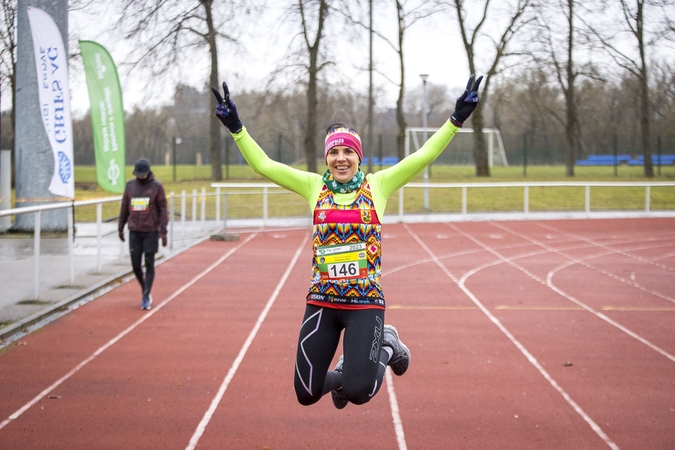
(339, 399)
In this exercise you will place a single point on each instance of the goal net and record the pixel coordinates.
(460, 150)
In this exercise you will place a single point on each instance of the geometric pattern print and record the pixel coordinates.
(345, 233)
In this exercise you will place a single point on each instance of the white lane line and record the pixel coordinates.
(664, 256)
(571, 260)
(582, 262)
(244, 349)
(461, 283)
(114, 340)
(549, 283)
(396, 417)
(607, 247)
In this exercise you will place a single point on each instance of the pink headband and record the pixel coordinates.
(343, 136)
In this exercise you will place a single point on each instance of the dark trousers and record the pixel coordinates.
(144, 243)
(364, 360)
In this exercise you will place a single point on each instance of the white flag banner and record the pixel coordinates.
(51, 62)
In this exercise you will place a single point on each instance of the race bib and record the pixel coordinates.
(140, 204)
(342, 261)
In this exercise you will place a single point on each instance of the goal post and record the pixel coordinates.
(460, 150)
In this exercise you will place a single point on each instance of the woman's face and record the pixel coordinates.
(343, 163)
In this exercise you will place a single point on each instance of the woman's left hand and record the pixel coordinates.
(467, 102)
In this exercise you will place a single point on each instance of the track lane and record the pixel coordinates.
(155, 398)
(605, 355)
(75, 336)
(519, 410)
(465, 388)
(259, 409)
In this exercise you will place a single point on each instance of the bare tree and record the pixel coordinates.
(559, 45)
(8, 60)
(408, 13)
(313, 15)
(168, 31)
(635, 59)
(516, 19)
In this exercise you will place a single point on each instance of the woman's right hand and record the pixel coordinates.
(226, 110)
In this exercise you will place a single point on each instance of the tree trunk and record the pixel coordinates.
(644, 96)
(570, 97)
(400, 113)
(214, 123)
(310, 133)
(479, 149)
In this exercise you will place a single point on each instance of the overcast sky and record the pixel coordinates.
(430, 47)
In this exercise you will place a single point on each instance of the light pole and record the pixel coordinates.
(425, 112)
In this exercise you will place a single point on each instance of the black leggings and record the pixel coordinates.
(140, 244)
(364, 360)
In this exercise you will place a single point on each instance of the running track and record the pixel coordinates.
(524, 335)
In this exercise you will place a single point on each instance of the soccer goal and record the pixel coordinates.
(460, 151)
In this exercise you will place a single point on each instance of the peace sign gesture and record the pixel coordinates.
(466, 102)
(226, 110)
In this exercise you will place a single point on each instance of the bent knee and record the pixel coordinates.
(359, 394)
(306, 399)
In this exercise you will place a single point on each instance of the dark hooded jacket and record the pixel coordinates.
(144, 206)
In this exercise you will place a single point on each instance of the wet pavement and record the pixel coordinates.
(94, 272)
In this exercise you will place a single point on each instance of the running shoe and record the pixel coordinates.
(339, 398)
(400, 360)
(146, 302)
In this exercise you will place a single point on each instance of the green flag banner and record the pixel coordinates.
(107, 116)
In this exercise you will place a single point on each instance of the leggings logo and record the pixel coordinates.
(375, 347)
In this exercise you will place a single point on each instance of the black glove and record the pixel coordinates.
(226, 110)
(466, 103)
(120, 233)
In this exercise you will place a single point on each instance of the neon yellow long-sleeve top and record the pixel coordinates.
(382, 184)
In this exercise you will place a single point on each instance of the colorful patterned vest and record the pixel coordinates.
(346, 242)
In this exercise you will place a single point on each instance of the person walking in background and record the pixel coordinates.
(144, 209)
(345, 291)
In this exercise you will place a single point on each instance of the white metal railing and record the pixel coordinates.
(264, 189)
(224, 189)
(37, 228)
(587, 185)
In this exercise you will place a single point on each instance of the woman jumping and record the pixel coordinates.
(345, 291)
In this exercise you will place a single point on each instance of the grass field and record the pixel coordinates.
(191, 178)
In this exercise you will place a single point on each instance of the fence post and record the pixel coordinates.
(227, 158)
(203, 205)
(525, 154)
(265, 206)
(527, 199)
(71, 259)
(464, 201)
(172, 220)
(99, 220)
(647, 198)
(588, 200)
(194, 205)
(400, 204)
(36, 253)
(217, 204)
(182, 210)
(225, 213)
(658, 152)
(615, 147)
(173, 159)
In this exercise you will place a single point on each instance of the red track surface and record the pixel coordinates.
(541, 335)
